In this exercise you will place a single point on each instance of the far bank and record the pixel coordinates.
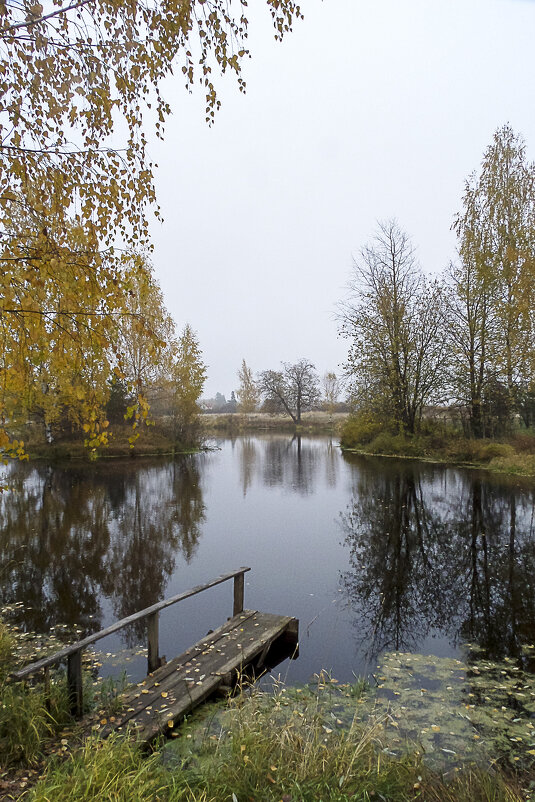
(315, 422)
(513, 454)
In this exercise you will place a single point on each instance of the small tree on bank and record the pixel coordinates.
(293, 390)
(189, 375)
(248, 392)
(332, 387)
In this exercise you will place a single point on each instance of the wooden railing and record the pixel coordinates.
(73, 653)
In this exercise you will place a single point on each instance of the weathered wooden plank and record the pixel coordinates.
(150, 726)
(248, 651)
(153, 655)
(238, 594)
(174, 690)
(60, 655)
(165, 679)
(48, 703)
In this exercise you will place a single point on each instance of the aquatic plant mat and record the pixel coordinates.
(478, 713)
(433, 729)
(447, 712)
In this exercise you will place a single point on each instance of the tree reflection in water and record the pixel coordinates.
(455, 562)
(282, 461)
(247, 462)
(430, 551)
(69, 537)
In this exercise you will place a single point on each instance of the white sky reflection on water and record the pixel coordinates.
(370, 555)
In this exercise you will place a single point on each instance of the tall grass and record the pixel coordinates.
(27, 716)
(114, 769)
(266, 748)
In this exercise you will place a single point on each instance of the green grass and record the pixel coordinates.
(264, 747)
(27, 717)
(517, 465)
(513, 455)
(359, 688)
(32, 721)
(114, 769)
(109, 693)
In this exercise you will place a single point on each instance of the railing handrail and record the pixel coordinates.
(32, 668)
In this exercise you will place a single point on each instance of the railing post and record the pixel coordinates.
(46, 672)
(238, 594)
(153, 657)
(74, 683)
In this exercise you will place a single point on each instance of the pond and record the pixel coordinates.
(372, 555)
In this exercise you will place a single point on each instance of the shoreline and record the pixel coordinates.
(516, 465)
(496, 469)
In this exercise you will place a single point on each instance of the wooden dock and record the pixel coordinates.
(248, 643)
(168, 694)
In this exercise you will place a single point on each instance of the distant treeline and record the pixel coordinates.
(292, 390)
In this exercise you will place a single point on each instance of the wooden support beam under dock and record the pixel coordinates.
(168, 694)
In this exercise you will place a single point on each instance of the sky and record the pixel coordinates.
(368, 110)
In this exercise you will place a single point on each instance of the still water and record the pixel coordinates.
(371, 555)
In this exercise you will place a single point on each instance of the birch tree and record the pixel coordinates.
(393, 319)
(496, 231)
(146, 332)
(248, 392)
(79, 83)
(471, 340)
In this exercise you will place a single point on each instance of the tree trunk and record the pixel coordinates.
(476, 419)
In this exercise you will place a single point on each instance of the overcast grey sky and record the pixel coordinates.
(370, 109)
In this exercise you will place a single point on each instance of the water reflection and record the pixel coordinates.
(291, 462)
(158, 522)
(332, 463)
(248, 457)
(71, 537)
(426, 559)
(430, 557)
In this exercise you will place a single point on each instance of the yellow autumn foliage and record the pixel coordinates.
(71, 76)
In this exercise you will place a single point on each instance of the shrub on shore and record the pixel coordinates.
(358, 430)
(442, 443)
